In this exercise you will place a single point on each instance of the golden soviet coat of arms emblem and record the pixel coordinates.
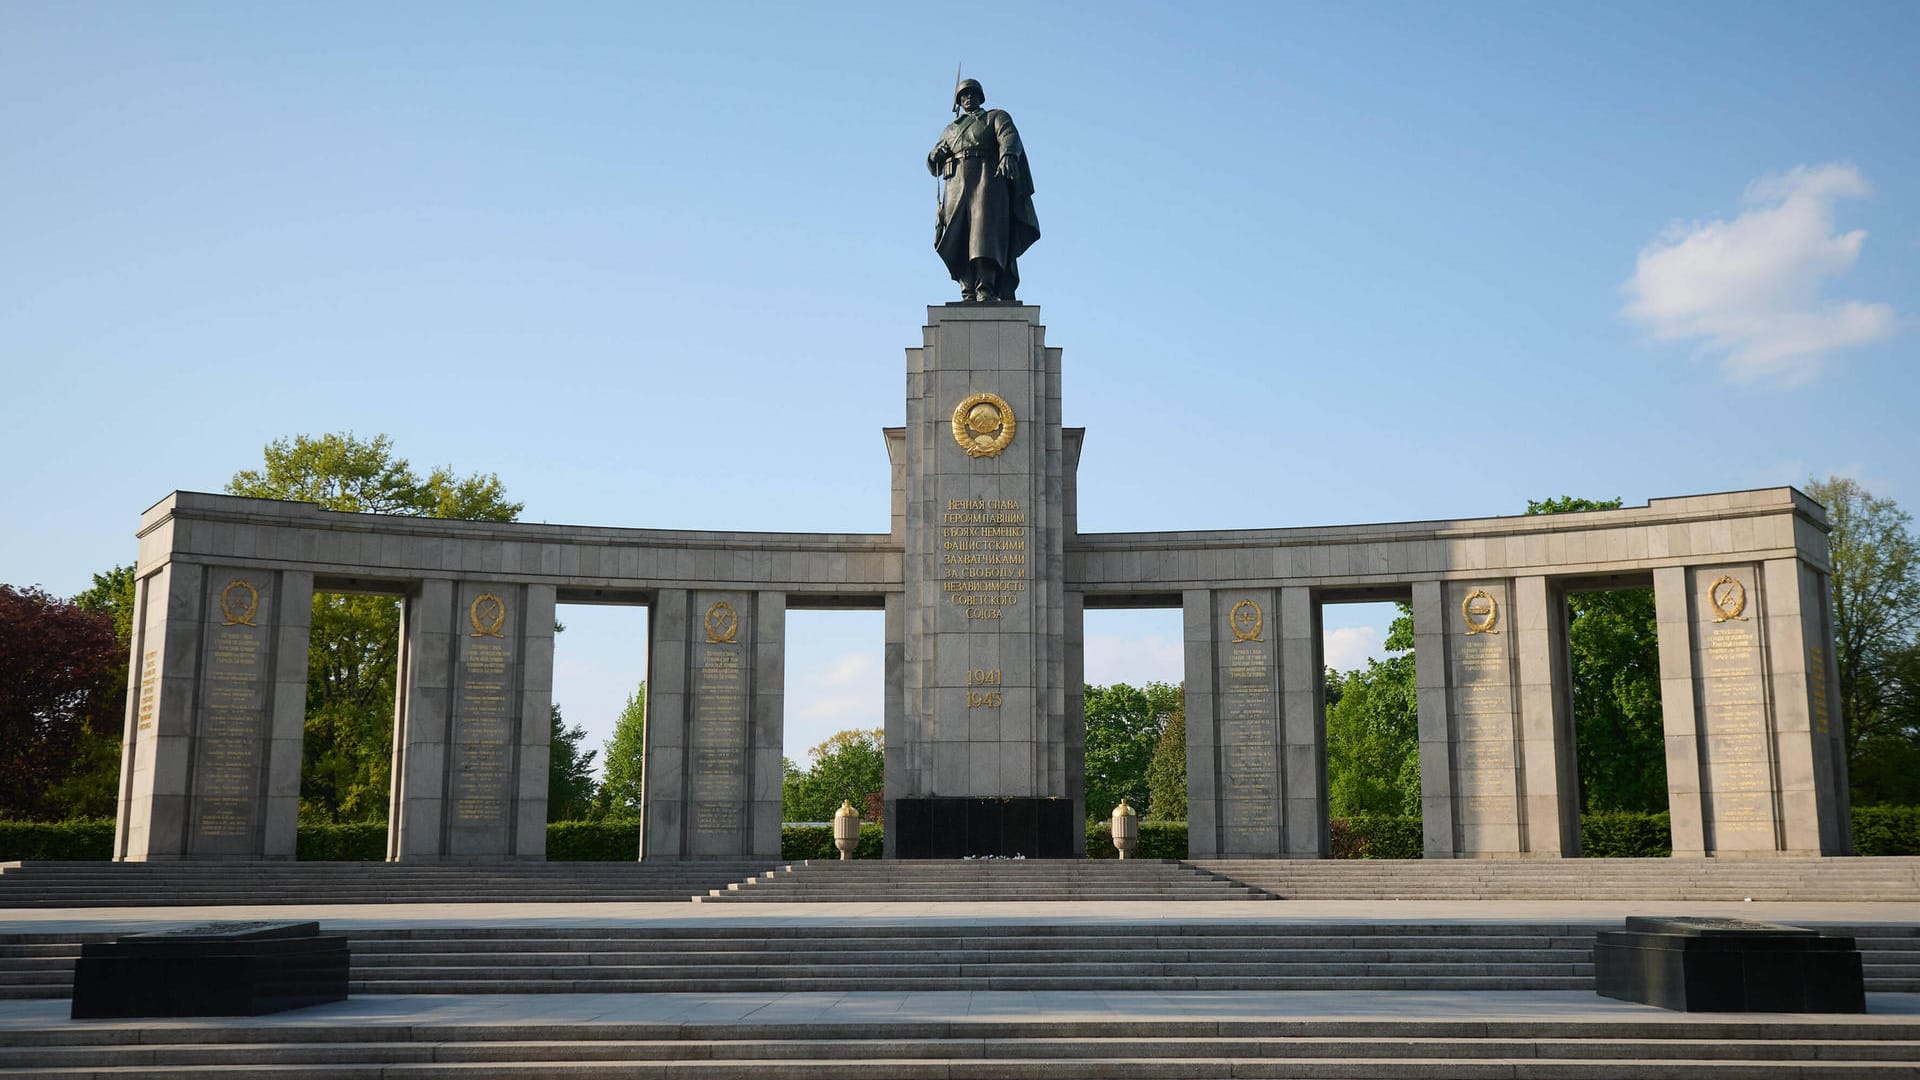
(1481, 612)
(1246, 621)
(1729, 598)
(983, 425)
(239, 603)
(488, 616)
(722, 623)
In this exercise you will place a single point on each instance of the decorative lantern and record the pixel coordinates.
(1126, 828)
(846, 829)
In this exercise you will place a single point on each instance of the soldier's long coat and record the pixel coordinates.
(983, 216)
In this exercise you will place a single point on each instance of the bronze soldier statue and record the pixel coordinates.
(986, 217)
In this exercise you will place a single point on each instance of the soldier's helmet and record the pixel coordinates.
(974, 84)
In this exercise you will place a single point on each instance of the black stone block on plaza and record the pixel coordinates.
(1728, 965)
(221, 969)
(954, 828)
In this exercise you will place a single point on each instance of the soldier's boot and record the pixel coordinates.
(986, 273)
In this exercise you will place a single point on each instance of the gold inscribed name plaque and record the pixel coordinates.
(1246, 621)
(983, 425)
(1729, 598)
(487, 615)
(1481, 612)
(722, 623)
(239, 603)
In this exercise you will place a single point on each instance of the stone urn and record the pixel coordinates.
(1126, 829)
(846, 829)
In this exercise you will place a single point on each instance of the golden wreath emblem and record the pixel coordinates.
(236, 611)
(1729, 599)
(983, 425)
(488, 616)
(723, 623)
(1246, 621)
(1481, 612)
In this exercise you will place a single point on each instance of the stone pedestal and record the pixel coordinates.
(223, 969)
(1728, 965)
(216, 698)
(473, 730)
(983, 710)
(715, 691)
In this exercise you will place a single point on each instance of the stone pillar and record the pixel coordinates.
(715, 700)
(1755, 764)
(1550, 814)
(1303, 712)
(1815, 804)
(216, 700)
(1075, 743)
(900, 756)
(1673, 623)
(1237, 760)
(1434, 706)
(473, 728)
(1467, 673)
(985, 711)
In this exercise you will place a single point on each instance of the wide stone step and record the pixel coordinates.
(1381, 1048)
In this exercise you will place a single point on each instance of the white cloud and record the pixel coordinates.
(1133, 659)
(1749, 289)
(844, 693)
(1347, 648)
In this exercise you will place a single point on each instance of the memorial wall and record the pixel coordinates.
(985, 579)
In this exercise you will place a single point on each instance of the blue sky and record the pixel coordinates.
(656, 266)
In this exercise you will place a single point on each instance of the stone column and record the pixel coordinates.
(1755, 764)
(1815, 804)
(216, 704)
(474, 727)
(1303, 712)
(715, 701)
(1434, 706)
(1236, 757)
(1466, 658)
(900, 766)
(1550, 814)
(985, 704)
(1673, 622)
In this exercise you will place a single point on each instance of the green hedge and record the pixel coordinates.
(816, 842)
(1877, 830)
(614, 840)
(362, 841)
(1158, 840)
(1376, 837)
(1626, 834)
(50, 840)
(1886, 830)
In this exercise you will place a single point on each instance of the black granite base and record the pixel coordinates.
(954, 828)
(223, 969)
(1728, 965)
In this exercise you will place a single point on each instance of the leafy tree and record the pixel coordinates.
(848, 766)
(1167, 770)
(619, 795)
(62, 673)
(353, 659)
(569, 773)
(1614, 649)
(1124, 724)
(1876, 609)
(1373, 733)
(91, 788)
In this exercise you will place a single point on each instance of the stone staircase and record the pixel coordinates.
(918, 956)
(158, 884)
(1832, 1048)
(912, 881)
(1893, 879)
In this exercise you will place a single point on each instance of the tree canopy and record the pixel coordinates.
(62, 677)
(620, 792)
(1124, 725)
(1876, 613)
(846, 766)
(1373, 736)
(354, 646)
